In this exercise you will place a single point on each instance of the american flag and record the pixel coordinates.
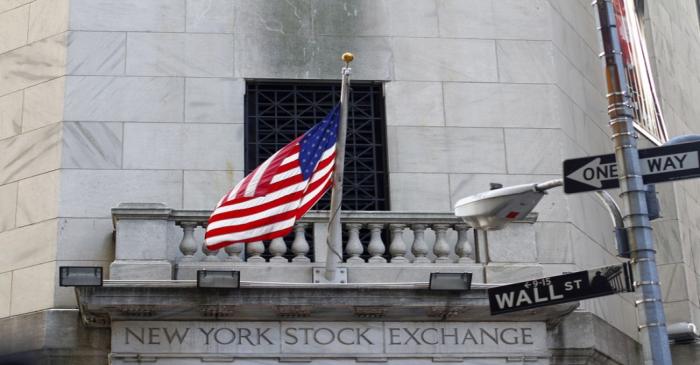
(267, 202)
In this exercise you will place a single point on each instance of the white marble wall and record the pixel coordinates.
(675, 49)
(152, 113)
(32, 66)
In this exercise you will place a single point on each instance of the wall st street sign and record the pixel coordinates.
(659, 164)
(561, 289)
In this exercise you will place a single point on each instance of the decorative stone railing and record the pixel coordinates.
(314, 224)
(154, 242)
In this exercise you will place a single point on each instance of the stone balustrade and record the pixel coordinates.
(155, 242)
(373, 250)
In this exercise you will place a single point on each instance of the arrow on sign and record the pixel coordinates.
(594, 172)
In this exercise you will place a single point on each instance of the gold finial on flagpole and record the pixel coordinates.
(347, 58)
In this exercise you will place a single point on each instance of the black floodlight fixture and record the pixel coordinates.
(80, 276)
(460, 281)
(227, 279)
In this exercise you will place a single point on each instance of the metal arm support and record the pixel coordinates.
(623, 246)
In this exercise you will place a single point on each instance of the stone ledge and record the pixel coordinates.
(584, 338)
(53, 336)
(134, 302)
(302, 272)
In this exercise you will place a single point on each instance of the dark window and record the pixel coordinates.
(278, 112)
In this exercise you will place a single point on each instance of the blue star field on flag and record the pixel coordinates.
(318, 139)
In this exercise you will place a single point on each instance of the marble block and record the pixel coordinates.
(128, 15)
(5, 293)
(13, 27)
(183, 146)
(446, 150)
(93, 145)
(210, 16)
(44, 188)
(420, 192)
(518, 105)
(96, 53)
(266, 18)
(85, 239)
(291, 56)
(11, 4)
(534, 151)
(177, 54)
(92, 193)
(19, 68)
(43, 104)
(11, 114)
(414, 103)
(47, 17)
(517, 19)
(501, 19)
(137, 99)
(674, 284)
(141, 270)
(512, 273)
(28, 246)
(30, 153)
(214, 100)
(377, 18)
(554, 243)
(8, 206)
(33, 288)
(376, 62)
(140, 239)
(514, 243)
(439, 59)
(525, 61)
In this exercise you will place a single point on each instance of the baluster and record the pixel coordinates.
(463, 247)
(209, 254)
(354, 247)
(234, 252)
(419, 247)
(441, 249)
(278, 248)
(397, 248)
(300, 247)
(254, 251)
(188, 245)
(376, 246)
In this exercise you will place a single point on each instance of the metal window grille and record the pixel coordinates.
(277, 112)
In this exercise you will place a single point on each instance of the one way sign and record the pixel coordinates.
(659, 164)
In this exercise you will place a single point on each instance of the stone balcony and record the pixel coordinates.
(388, 257)
(154, 242)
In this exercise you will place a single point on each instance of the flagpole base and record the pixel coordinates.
(340, 277)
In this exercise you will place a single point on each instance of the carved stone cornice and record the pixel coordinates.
(170, 302)
(369, 312)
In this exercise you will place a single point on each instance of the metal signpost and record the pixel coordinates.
(561, 289)
(658, 164)
(652, 321)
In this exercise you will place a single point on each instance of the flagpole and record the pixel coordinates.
(335, 229)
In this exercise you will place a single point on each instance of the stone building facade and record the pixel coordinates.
(104, 102)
